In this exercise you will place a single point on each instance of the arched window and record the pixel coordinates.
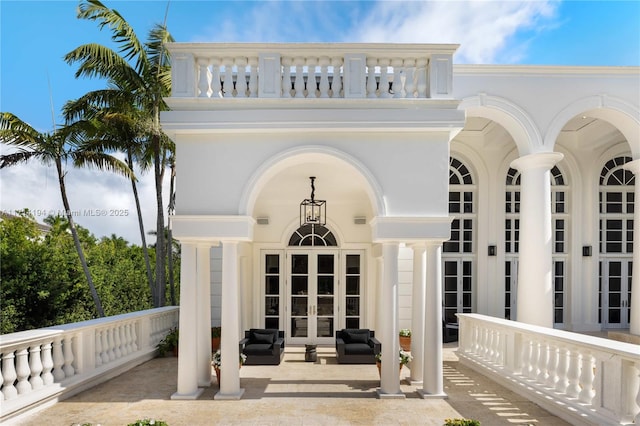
(314, 236)
(616, 201)
(459, 252)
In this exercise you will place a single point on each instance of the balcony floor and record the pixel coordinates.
(295, 392)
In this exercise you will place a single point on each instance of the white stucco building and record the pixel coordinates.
(502, 190)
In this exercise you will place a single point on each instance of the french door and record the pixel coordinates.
(615, 293)
(312, 295)
(457, 288)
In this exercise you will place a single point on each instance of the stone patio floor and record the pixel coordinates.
(294, 393)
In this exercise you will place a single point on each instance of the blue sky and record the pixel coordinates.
(35, 35)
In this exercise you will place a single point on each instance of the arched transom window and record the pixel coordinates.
(314, 236)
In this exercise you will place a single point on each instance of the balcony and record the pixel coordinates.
(330, 71)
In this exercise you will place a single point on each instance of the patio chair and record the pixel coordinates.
(356, 346)
(263, 346)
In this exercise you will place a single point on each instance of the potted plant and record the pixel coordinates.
(216, 333)
(404, 357)
(405, 339)
(461, 422)
(169, 343)
(216, 360)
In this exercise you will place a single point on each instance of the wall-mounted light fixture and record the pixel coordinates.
(586, 251)
(492, 250)
(312, 211)
(262, 220)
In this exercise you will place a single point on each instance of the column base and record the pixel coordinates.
(414, 382)
(229, 396)
(183, 396)
(204, 383)
(426, 395)
(382, 395)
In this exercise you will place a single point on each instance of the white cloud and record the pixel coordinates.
(484, 29)
(101, 201)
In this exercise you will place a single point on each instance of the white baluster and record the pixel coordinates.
(336, 82)
(562, 370)
(47, 364)
(324, 76)
(127, 333)
(227, 85)
(535, 356)
(496, 358)
(637, 407)
(98, 351)
(111, 345)
(253, 77)
(312, 83)
(421, 77)
(384, 78)
(134, 338)
(22, 370)
(9, 375)
(58, 360)
(526, 356)
(552, 366)
(203, 77)
(286, 77)
(486, 340)
(587, 376)
(543, 359)
(371, 78)
(35, 367)
(67, 350)
(298, 86)
(216, 83)
(398, 76)
(573, 374)
(489, 345)
(410, 73)
(241, 79)
(117, 342)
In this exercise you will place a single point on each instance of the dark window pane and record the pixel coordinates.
(450, 268)
(272, 264)
(325, 327)
(325, 306)
(451, 284)
(272, 323)
(299, 264)
(299, 327)
(353, 306)
(299, 285)
(325, 264)
(299, 306)
(272, 285)
(352, 322)
(353, 285)
(272, 305)
(325, 285)
(353, 264)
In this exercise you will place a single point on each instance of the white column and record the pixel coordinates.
(390, 374)
(188, 356)
(204, 314)
(634, 326)
(535, 273)
(432, 382)
(379, 296)
(229, 351)
(417, 312)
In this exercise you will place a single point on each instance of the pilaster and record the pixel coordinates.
(634, 326)
(417, 312)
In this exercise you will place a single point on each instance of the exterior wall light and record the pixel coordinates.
(492, 250)
(586, 251)
(312, 211)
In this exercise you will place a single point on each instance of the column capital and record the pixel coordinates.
(633, 166)
(539, 160)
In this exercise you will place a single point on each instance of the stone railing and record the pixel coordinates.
(48, 364)
(311, 71)
(582, 379)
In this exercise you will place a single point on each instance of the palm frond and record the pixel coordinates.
(19, 157)
(100, 61)
(101, 161)
(121, 32)
(14, 131)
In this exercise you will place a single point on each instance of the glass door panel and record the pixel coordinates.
(615, 293)
(312, 295)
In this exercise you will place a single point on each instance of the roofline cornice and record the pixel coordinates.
(544, 70)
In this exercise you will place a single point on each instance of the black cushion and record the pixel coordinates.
(356, 336)
(262, 336)
(358, 349)
(258, 349)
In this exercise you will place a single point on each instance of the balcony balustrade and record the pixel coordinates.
(57, 362)
(311, 71)
(583, 379)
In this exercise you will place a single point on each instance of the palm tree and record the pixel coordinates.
(57, 147)
(143, 71)
(119, 129)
